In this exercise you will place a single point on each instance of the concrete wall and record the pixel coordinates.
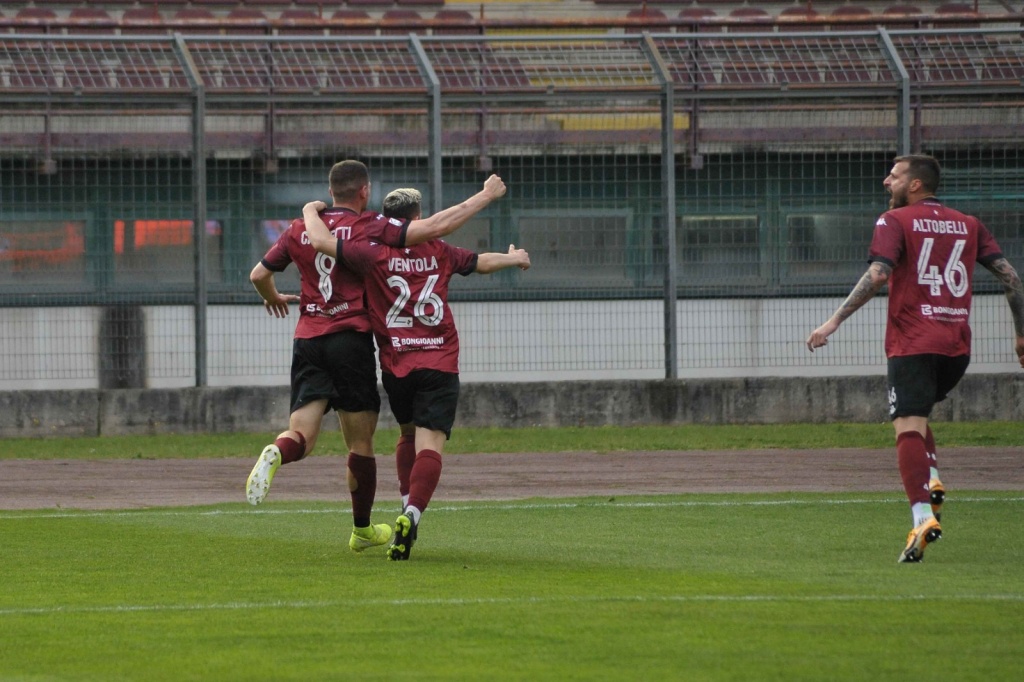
(762, 400)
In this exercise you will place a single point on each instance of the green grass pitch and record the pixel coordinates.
(693, 587)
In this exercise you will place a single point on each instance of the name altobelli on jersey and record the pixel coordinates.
(930, 226)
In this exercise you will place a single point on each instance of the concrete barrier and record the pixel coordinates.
(980, 397)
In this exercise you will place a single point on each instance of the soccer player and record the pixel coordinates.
(407, 291)
(332, 362)
(926, 252)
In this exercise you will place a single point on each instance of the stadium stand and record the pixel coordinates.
(136, 17)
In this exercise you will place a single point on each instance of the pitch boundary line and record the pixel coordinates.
(512, 601)
(484, 506)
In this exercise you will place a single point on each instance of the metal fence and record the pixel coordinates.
(694, 204)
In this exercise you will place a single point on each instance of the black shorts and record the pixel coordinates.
(917, 382)
(426, 398)
(340, 367)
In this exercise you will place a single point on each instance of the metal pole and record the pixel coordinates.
(903, 111)
(433, 125)
(668, 209)
(198, 207)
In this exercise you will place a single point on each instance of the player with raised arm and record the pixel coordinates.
(926, 252)
(418, 344)
(332, 364)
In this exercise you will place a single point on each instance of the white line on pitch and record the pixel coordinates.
(484, 506)
(513, 601)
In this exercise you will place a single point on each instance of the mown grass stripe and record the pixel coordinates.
(682, 598)
(481, 506)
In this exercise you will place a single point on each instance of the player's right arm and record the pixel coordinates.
(871, 282)
(452, 218)
(274, 301)
(1010, 280)
(320, 238)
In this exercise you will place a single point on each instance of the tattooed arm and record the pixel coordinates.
(1010, 280)
(870, 284)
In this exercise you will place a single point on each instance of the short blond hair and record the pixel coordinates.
(402, 203)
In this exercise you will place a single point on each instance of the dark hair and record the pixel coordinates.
(402, 203)
(924, 168)
(347, 178)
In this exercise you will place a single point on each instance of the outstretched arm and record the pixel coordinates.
(274, 301)
(320, 238)
(871, 282)
(452, 218)
(486, 263)
(1010, 280)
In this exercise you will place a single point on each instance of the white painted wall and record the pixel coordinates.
(56, 348)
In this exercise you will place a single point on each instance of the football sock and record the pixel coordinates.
(362, 484)
(922, 512)
(914, 467)
(405, 457)
(413, 513)
(929, 444)
(426, 472)
(291, 451)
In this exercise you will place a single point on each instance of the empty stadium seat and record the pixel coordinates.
(848, 13)
(90, 20)
(901, 12)
(799, 19)
(246, 21)
(294, 21)
(753, 19)
(343, 15)
(143, 21)
(956, 9)
(34, 20)
(407, 21)
(459, 22)
(195, 20)
(643, 16)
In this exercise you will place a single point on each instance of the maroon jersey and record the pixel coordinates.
(407, 291)
(932, 250)
(331, 299)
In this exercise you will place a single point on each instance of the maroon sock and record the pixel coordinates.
(291, 451)
(929, 444)
(913, 460)
(426, 472)
(405, 457)
(363, 473)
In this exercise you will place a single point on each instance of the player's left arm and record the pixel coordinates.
(489, 262)
(452, 218)
(320, 238)
(871, 282)
(1010, 280)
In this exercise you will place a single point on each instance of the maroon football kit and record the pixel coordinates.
(932, 250)
(408, 289)
(331, 299)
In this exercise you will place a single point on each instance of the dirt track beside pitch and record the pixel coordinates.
(132, 484)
